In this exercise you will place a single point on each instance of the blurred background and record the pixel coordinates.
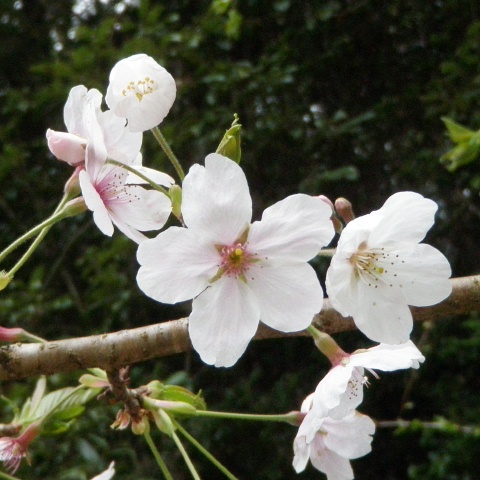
(336, 97)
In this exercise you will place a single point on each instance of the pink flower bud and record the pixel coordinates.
(67, 147)
(11, 334)
(344, 209)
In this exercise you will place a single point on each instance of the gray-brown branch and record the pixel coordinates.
(114, 350)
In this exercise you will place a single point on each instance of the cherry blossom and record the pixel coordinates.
(331, 443)
(141, 91)
(380, 268)
(109, 193)
(237, 273)
(13, 449)
(341, 390)
(120, 143)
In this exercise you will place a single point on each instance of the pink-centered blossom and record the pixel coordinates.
(141, 91)
(237, 273)
(380, 268)
(120, 143)
(111, 193)
(13, 450)
(330, 443)
(341, 390)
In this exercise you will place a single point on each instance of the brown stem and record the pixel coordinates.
(118, 349)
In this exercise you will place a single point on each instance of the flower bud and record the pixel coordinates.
(67, 147)
(344, 209)
(5, 279)
(230, 144)
(72, 187)
(142, 425)
(11, 334)
(74, 207)
(175, 193)
(163, 422)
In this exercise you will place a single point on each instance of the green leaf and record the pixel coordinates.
(463, 154)
(57, 403)
(457, 132)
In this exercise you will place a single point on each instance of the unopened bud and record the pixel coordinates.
(175, 193)
(72, 187)
(230, 144)
(163, 422)
(344, 209)
(5, 279)
(74, 207)
(142, 425)
(11, 334)
(67, 147)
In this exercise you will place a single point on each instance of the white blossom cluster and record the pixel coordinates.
(240, 272)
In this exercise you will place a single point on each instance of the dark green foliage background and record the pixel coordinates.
(342, 98)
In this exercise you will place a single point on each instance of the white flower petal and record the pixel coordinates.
(224, 319)
(383, 321)
(73, 110)
(295, 228)
(342, 289)
(422, 274)
(350, 436)
(141, 209)
(289, 296)
(407, 216)
(95, 203)
(340, 391)
(156, 176)
(216, 200)
(301, 453)
(176, 265)
(107, 474)
(389, 357)
(329, 462)
(122, 144)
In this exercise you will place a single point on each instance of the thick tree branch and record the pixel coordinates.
(119, 349)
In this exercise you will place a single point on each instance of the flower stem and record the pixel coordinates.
(168, 151)
(40, 229)
(185, 456)
(157, 456)
(286, 417)
(205, 452)
(7, 476)
(138, 174)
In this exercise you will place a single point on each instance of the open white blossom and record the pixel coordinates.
(330, 443)
(380, 268)
(341, 390)
(120, 143)
(111, 193)
(141, 91)
(237, 273)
